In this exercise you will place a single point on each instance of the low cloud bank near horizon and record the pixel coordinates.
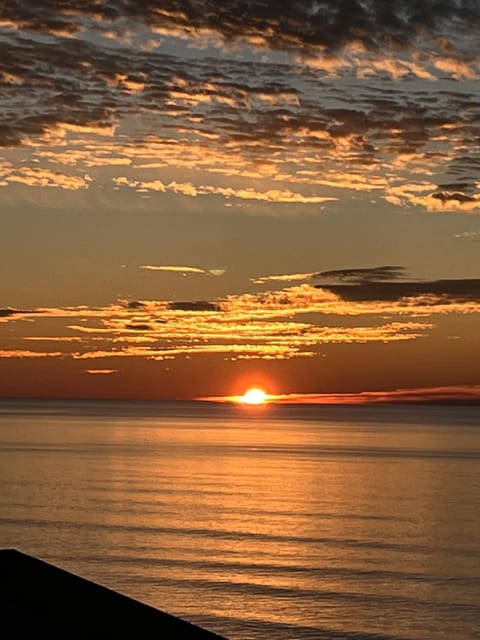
(443, 395)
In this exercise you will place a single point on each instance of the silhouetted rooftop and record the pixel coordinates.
(39, 598)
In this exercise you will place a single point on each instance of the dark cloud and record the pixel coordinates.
(200, 305)
(279, 24)
(54, 85)
(76, 83)
(73, 82)
(454, 196)
(367, 290)
(9, 312)
(359, 276)
(138, 327)
(460, 191)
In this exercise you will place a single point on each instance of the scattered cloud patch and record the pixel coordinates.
(333, 99)
(328, 26)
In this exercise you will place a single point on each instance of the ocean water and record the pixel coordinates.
(284, 523)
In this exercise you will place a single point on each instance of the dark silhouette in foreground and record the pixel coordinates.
(38, 599)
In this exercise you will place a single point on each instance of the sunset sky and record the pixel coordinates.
(200, 196)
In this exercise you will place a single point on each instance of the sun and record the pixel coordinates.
(254, 396)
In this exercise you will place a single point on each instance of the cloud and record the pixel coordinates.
(292, 322)
(420, 395)
(463, 197)
(469, 235)
(53, 338)
(97, 89)
(328, 25)
(9, 312)
(271, 195)
(287, 277)
(266, 340)
(100, 371)
(138, 327)
(457, 69)
(427, 292)
(182, 269)
(200, 305)
(174, 269)
(26, 353)
(34, 177)
(370, 274)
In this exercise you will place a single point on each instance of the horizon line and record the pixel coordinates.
(440, 395)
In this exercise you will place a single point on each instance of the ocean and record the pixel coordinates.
(279, 522)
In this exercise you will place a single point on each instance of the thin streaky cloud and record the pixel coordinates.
(10, 313)
(287, 277)
(173, 269)
(468, 235)
(27, 353)
(440, 395)
(53, 338)
(183, 269)
(417, 395)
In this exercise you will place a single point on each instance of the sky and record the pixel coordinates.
(197, 197)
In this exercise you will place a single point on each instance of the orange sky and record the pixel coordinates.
(194, 203)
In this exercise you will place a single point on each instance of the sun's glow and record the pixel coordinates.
(254, 396)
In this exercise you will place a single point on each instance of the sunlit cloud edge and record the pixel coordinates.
(458, 394)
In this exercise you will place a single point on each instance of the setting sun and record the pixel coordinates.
(254, 396)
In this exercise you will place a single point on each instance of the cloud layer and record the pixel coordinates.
(294, 104)
(447, 395)
(294, 321)
(292, 24)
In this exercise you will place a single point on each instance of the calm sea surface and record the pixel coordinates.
(283, 523)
